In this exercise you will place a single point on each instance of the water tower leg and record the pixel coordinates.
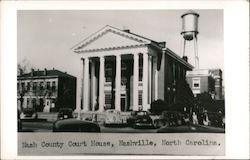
(183, 45)
(196, 53)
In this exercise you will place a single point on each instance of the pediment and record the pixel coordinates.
(110, 38)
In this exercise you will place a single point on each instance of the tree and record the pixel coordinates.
(204, 101)
(23, 67)
(184, 97)
(158, 106)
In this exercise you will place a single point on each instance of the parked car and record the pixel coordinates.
(169, 118)
(65, 113)
(74, 125)
(191, 129)
(140, 119)
(28, 114)
(113, 117)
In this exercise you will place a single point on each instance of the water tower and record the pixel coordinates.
(189, 33)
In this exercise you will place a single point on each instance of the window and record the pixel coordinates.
(22, 85)
(196, 83)
(41, 86)
(53, 85)
(140, 68)
(48, 85)
(18, 86)
(108, 99)
(28, 86)
(34, 86)
(140, 98)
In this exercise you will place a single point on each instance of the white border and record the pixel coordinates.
(236, 67)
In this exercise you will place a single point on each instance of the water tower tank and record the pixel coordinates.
(189, 25)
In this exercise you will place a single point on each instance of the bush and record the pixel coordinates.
(158, 106)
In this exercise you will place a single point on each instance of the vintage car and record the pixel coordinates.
(113, 117)
(169, 118)
(65, 113)
(74, 125)
(28, 114)
(140, 119)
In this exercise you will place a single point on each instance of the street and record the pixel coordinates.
(46, 126)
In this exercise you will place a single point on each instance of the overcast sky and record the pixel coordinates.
(45, 38)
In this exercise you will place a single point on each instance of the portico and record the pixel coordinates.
(119, 81)
(125, 71)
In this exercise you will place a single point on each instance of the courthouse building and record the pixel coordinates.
(126, 71)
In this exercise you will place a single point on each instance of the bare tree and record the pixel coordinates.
(23, 67)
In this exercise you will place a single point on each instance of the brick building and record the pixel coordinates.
(206, 80)
(46, 90)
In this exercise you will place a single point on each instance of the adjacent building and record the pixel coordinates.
(126, 71)
(206, 80)
(46, 90)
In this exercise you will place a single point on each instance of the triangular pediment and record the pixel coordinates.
(110, 38)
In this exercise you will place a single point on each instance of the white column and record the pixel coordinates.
(118, 83)
(93, 81)
(86, 85)
(149, 79)
(145, 82)
(135, 83)
(155, 78)
(101, 85)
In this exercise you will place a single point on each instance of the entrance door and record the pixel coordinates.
(123, 102)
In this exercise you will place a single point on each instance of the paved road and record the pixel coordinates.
(44, 126)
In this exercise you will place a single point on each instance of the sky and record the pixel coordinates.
(45, 37)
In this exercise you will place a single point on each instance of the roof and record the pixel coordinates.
(41, 74)
(141, 40)
(190, 12)
(126, 33)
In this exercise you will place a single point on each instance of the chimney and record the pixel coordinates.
(185, 58)
(162, 44)
(126, 30)
(45, 72)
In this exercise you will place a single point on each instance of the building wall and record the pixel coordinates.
(217, 75)
(52, 89)
(206, 84)
(171, 71)
(161, 76)
(32, 97)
